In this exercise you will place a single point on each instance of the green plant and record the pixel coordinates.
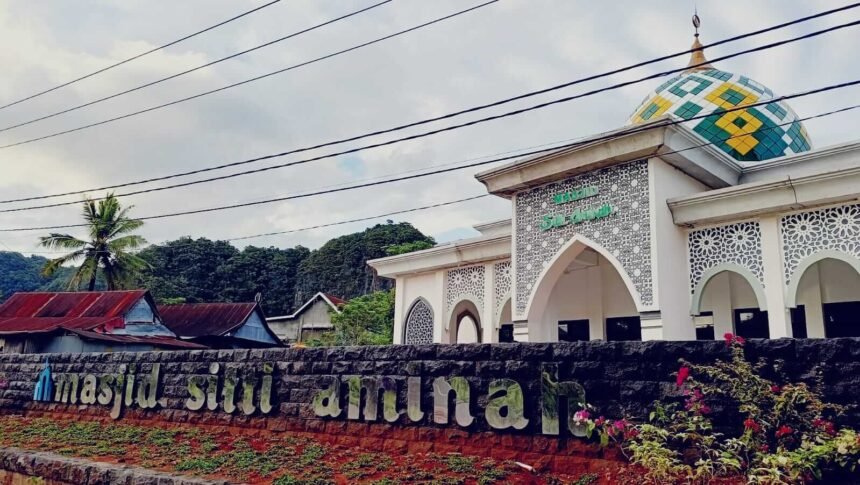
(786, 432)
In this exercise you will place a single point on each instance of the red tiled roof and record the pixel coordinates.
(47, 311)
(205, 319)
(138, 339)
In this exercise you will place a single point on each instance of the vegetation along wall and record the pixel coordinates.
(503, 400)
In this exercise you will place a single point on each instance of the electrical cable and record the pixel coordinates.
(138, 56)
(389, 142)
(611, 136)
(257, 78)
(193, 69)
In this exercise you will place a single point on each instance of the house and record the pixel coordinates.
(96, 321)
(310, 321)
(220, 325)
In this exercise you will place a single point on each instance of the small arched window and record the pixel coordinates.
(419, 324)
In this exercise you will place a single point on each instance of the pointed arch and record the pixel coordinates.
(699, 290)
(549, 276)
(794, 283)
(418, 325)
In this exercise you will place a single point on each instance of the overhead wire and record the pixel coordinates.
(138, 56)
(253, 79)
(611, 136)
(388, 214)
(451, 127)
(194, 69)
(416, 123)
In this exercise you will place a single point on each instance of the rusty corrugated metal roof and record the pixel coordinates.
(138, 339)
(202, 319)
(47, 311)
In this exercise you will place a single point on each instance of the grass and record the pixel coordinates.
(279, 459)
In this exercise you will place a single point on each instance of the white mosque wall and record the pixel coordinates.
(428, 286)
(668, 255)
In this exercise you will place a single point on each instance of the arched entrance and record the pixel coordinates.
(729, 299)
(825, 296)
(583, 294)
(464, 324)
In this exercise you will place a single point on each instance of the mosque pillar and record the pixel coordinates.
(778, 314)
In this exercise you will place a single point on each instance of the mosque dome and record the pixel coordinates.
(749, 135)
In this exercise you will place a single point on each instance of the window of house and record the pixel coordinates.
(704, 326)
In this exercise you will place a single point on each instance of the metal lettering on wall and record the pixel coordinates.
(235, 388)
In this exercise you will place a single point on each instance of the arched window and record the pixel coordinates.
(419, 324)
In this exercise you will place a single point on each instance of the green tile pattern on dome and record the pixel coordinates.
(750, 135)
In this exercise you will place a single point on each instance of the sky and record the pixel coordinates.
(495, 52)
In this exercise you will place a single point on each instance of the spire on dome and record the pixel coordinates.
(698, 61)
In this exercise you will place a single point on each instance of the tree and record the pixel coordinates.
(409, 247)
(366, 320)
(22, 273)
(340, 266)
(268, 271)
(186, 268)
(108, 248)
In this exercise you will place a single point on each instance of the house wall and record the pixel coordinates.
(254, 329)
(141, 320)
(315, 317)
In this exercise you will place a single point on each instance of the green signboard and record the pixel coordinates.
(578, 216)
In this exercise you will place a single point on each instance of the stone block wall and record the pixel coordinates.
(619, 378)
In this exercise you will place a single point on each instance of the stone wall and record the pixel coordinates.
(618, 378)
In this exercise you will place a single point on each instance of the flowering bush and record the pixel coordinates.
(787, 435)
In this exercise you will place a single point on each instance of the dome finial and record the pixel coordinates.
(698, 61)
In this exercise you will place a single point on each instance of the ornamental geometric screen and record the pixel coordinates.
(625, 232)
(465, 283)
(753, 134)
(733, 243)
(419, 324)
(502, 285)
(805, 233)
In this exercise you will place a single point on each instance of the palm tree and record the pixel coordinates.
(108, 248)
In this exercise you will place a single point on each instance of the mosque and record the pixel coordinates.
(716, 216)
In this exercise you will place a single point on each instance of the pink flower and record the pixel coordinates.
(729, 338)
(784, 431)
(751, 425)
(580, 417)
(775, 389)
(740, 340)
(683, 374)
(600, 421)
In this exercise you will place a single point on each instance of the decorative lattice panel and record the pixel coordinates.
(502, 288)
(733, 243)
(465, 283)
(626, 233)
(805, 233)
(419, 324)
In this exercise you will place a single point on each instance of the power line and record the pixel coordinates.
(188, 71)
(308, 228)
(138, 56)
(413, 124)
(257, 78)
(820, 115)
(431, 132)
(611, 136)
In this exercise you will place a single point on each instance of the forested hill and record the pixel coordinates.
(202, 270)
(22, 273)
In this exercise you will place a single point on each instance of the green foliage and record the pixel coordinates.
(22, 273)
(409, 247)
(340, 266)
(106, 251)
(788, 434)
(200, 270)
(366, 320)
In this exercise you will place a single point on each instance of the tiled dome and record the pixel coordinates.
(750, 135)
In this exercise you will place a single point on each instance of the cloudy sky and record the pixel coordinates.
(502, 50)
